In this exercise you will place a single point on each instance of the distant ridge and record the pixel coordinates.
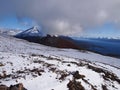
(10, 32)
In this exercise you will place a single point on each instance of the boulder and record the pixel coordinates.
(13, 87)
(75, 85)
(3, 87)
(76, 75)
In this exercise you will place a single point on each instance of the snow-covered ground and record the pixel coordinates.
(41, 67)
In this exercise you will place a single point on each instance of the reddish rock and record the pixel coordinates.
(60, 42)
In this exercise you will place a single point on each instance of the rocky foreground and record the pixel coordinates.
(70, 73)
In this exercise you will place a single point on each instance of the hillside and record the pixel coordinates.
(41, 67)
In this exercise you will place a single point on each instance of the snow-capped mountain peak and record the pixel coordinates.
(34, 31)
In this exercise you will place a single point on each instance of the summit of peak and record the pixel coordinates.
(33, 31)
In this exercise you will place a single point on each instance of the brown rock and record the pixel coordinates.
(75, 85)
(13, 87)
(3, 87)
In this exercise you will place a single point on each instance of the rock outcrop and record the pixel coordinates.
(13, 87)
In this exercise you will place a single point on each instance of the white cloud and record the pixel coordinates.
(102, 16)
(65, 28)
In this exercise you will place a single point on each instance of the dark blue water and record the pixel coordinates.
(110, 47)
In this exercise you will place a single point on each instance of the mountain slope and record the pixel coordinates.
(54, 68)
(34, 31)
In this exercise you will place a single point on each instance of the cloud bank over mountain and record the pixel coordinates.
(65, 16)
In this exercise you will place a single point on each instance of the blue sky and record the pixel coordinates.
(13, 22)
(105, 30)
